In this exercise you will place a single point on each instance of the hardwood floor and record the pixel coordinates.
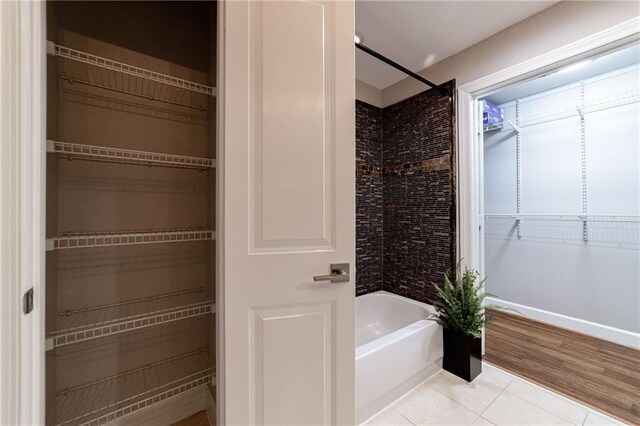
(595, 372)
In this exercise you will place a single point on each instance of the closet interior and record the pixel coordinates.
(562, 195)
(130, 266)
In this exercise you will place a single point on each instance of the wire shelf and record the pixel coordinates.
(112, 75)
(613, 101)
(76, 241)
(105, 400)
(569, 217)
(601, 104)
(127, 156)
(101, 321)
(548, 116)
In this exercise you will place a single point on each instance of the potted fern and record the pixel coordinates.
(460, 312)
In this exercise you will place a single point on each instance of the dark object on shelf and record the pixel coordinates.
(462, 354)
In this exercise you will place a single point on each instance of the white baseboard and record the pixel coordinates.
(601, 331)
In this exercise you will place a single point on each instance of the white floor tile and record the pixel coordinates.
(445, 399)
(600, 419)
(508, 409)
(389, 417)
(427, 406)
(481, 421)
(548, 400)
(476, 396)
(495, 376)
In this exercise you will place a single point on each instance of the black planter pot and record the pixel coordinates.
(462, 354)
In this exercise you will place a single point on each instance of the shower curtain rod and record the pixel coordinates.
(399, 67)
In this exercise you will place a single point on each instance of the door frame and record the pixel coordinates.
(219, 221)
(22, 214)
(470, 168)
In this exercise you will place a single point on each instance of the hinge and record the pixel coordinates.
(27, 301)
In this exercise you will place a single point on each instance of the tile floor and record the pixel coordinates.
(494, 398)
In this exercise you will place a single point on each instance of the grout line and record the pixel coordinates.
(402, 415)
(448, 397)
(541, 407)
(493, 384)
(390, 405)
(562, 397)
(585, 418)
(494, 399)
(502, 391)
(459, 403)
(425, 382)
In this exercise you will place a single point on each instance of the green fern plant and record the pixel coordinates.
(459, 303)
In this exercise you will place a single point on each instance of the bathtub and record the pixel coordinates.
(396, 349)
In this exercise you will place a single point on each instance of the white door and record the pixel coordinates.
(288, 212)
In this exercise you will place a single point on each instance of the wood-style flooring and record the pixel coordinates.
(598, 373)
(198, 419)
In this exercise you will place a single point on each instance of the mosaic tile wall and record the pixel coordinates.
(369, 237)
(418, 195)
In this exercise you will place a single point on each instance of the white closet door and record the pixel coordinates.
(288, 149)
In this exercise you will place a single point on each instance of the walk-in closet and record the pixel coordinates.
(562, 196)
(130, 263)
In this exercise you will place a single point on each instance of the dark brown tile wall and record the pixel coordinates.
(405, 194)
(419, 193)
(369, 213)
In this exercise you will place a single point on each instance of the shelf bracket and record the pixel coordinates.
(518, 170)
(583, 166)
(51, 48)
(516, 128)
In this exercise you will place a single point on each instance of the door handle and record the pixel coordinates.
(339, 274)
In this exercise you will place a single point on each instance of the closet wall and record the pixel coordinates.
(129, 318)
(418, 194)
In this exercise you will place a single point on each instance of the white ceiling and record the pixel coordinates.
(417, 34)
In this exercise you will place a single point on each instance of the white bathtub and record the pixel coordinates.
(396, 349)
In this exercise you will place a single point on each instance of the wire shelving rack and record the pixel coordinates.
(92, 70)
(108, 399)
(569, 217)
(601, 104)
(85, 240)
(127, 156)
(101, 321)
